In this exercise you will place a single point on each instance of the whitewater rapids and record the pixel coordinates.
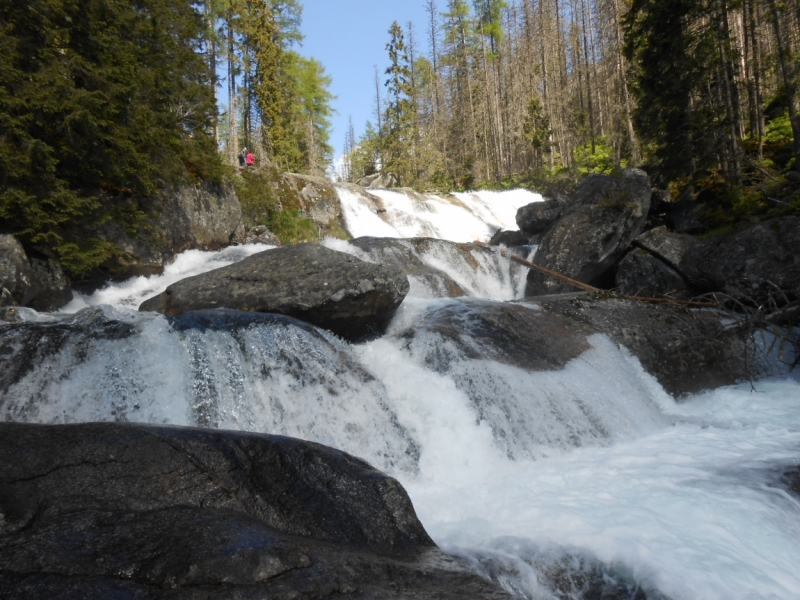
(680, 499)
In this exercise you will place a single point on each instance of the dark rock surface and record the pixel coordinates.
(600, 220)
(686, 214)
(685, 351)
(54, 286)
(653, 269)
(208, 217)
(16, 275)
(640, 273)
(330, 289)
(566, 574)
(133, 511)
(756, 262)
(509, 333)
(512, 238)
(667, 246)
(538, 217)
(791, 479)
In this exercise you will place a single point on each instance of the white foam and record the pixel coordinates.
(693, 507)
(464, 217)
(131, 293)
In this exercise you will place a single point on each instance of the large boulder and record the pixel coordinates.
(17, 282)
(54, 286)
(756, 262)
(330, 289)
(642, 274)
(686, 351)
(315, 196)
(205, 217)
(600, 220)
(668, 246)
(538, 217)
(652, 267)
(98, 511)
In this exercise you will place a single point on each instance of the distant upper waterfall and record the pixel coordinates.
(457, 217)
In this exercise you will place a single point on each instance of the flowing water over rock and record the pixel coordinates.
(563, 473)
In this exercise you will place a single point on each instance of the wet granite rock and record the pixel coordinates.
(756, 262)
(16, 275)
(686, 351)
(205, 217)
(511, 239)
(567, 574)
(537, 217)
(333, 290)
(667, 246)
(54, 286)
(97, 511)
(506, 332)
(642, 274)
(599, 222)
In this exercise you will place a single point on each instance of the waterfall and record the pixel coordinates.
(549, 481)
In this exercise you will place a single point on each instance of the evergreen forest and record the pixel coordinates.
(700, 93)
(105, 103)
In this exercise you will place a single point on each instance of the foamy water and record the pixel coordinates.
(597, 465)
(462, 217)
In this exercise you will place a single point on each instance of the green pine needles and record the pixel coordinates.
(102, 102)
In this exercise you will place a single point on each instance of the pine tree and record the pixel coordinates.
(399, 116)
(101, 102)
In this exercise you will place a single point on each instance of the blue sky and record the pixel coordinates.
(349, 37)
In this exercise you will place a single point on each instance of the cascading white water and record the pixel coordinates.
(525, 475)
(460, 217)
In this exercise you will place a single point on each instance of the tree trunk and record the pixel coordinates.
(787, 81)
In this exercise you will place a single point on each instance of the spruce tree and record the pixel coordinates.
(399, 116)
(101, 102)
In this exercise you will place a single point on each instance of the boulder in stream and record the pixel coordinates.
(97, 511)
(599, 222)
(756, 262)
(538, 217)
(333, 290)
(640, 273)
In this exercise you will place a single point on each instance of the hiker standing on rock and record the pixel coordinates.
(241, 158)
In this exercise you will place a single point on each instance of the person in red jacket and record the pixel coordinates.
(251, 160)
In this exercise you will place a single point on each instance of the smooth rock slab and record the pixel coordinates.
(333, 290)
(99, 511)
(600, 220)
